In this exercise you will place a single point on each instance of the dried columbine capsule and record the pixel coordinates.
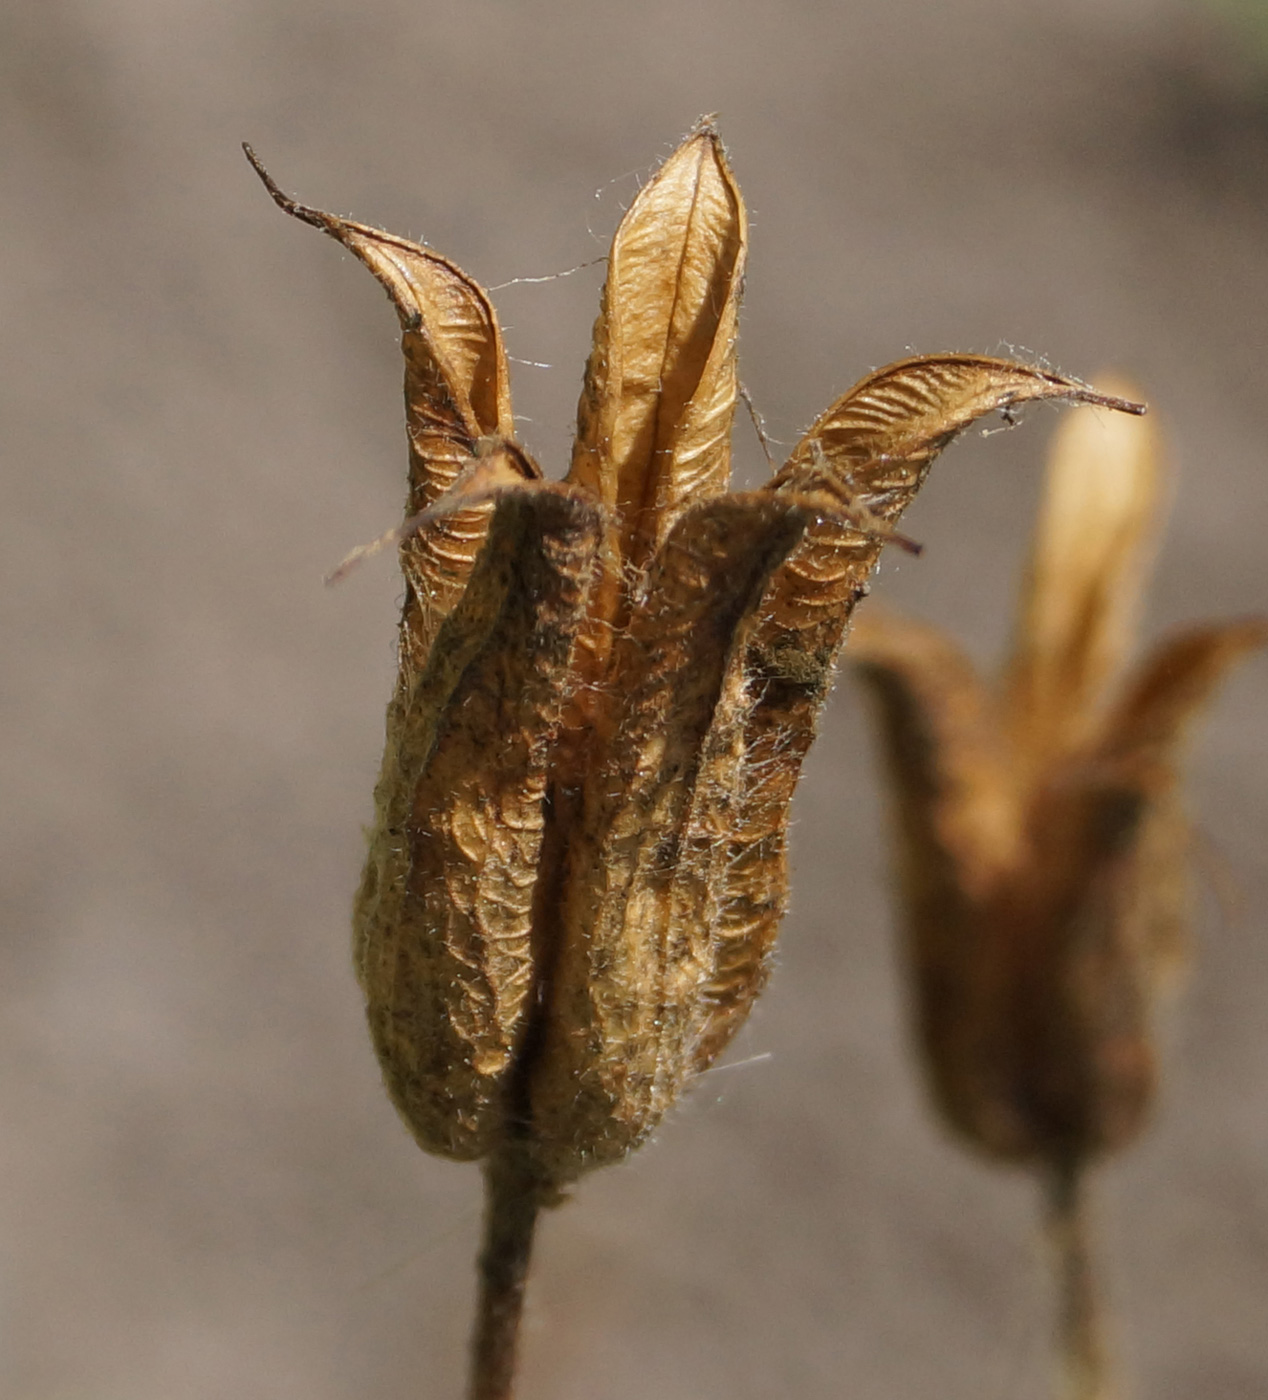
(607, 687)
(1041, 849)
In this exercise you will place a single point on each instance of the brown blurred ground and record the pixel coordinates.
(203, 1192)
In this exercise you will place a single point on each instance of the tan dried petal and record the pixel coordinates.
(954, 800)
(1166, 693)
(873, 448)
(1140, 746)
(636, 926)
(1096, 529)
(864, 459)
(654, 423)
(656, 409)
(457, 390)
(1073, 1058)
(443, 920)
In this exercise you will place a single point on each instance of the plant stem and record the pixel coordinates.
(513, 1198)
(1084, 1354)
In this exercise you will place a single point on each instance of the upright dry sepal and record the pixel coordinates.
(658, 400)
(1095, 534)
(654, 422)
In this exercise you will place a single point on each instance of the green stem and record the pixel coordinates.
(513, 1199)
(1084, 1353)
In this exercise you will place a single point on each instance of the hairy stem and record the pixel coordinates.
(1084, 1356)
(513, 1197)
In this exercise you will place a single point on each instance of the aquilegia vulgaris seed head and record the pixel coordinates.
(607, 688)
(1041, 846)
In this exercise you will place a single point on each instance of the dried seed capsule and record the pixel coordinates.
(606, 691)
(1041, 848)
(1023, 816)
(578, 862)
(636, 935)
(444, 942)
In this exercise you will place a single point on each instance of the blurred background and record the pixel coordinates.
(203, 1191)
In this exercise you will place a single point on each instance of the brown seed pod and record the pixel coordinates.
(636, 936)
(444, 917)
(1040, 844)
(607, 688)
(1032, 820)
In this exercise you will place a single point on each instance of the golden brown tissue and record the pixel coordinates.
(608, 684)
(1042, 851)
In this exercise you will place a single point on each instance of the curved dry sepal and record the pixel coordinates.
(1142, 735)
(654, 422)
(873, 448)
(443, 919)
(1096, 530)
(1140, 746)
(636, 917)
(457, 390)
(907, 412)
(864, 459)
